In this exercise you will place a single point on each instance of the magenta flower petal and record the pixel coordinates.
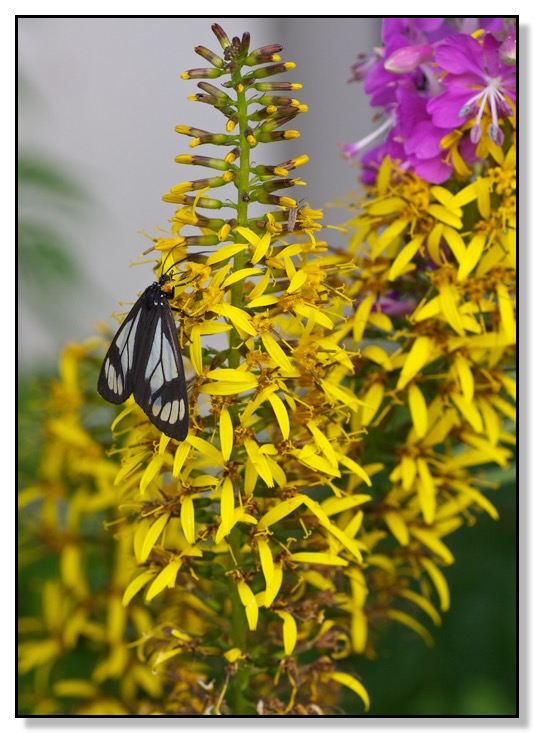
(459, 54)
(425, 141)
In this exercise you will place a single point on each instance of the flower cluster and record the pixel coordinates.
(445, 88)
(343, 408)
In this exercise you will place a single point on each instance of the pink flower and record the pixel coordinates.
(476, 80)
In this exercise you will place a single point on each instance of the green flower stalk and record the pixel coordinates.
(333, 439)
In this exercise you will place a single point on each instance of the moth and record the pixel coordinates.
(144, 359)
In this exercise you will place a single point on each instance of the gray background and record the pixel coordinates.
(105, 97)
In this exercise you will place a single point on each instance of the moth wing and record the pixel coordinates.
(116, 380)
(159, 385)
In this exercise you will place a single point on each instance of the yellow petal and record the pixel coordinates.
(384, 176)
(469, 412)
(249, 235)
(448, 297)
(455, 242)
(234, 655)
(416, 360)
(276, 352)
(339, 394)
(471, 257)
(430, 539)
(418, 410)
(353, 684)
(384, 207)
(224, 253)
(492, 421)
(478, 498)
(379, 356)
(260, 286)
(165, 579)
(206, 450)
(506, 310)
(444, 215)
(75, 688)
(227, 505)
(263, 301)
(271, 591)
(397, 527)
(226, 431)
(439, 581)
(152, 535)
(431, 309)
(423, 603)
(483, 196)
(281, 415)
(407, 620)
(241, 275)
(239, 318)
(354, 467)
(259, 461)
(465, 376)
(289, 631)
(348, 542)
(373, 399)
(278, 512)
(408, 472)
(308, 457)
(151, 471)
(404, 257)
(319, 558)
(337, 504)
(136, 584)
(187, 518)
(426, 491)
(322, 442)
(434, 243)
(391, 232)
(297, 281)
(266, 561)
(317, 316)
(262, 249)
(224, 389)
(250, 604)
(466, 195)
(180, 457)
(380, 320)
(360, 317)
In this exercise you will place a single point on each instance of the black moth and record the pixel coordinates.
(145, 360)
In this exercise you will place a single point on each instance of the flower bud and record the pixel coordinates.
(204, 160)
(407, 59)
(508, 51)
(268, 100)
(272, 136)
(276, 86)
(265, 71)
(185, 200)
(222, 97)
(264, 55)
(220, 35)
(210, 56)
(202, 74)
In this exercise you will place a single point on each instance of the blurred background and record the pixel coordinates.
(98, 102)
(99, 99)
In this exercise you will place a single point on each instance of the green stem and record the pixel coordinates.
(237, 691)
(243, 189)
